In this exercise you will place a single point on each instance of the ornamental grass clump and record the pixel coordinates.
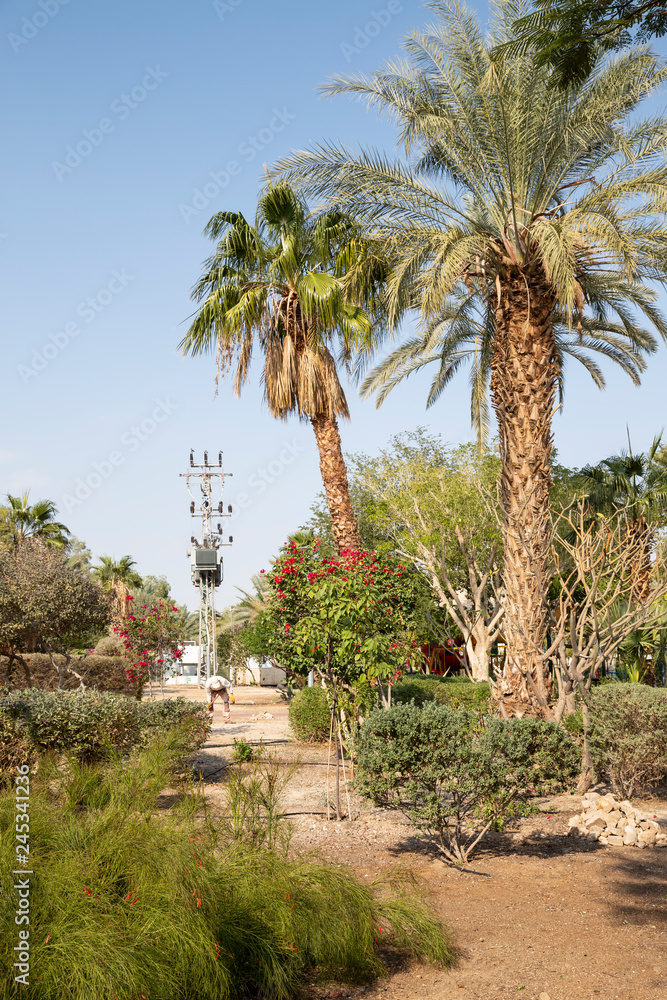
(131, 897)
(456, 774)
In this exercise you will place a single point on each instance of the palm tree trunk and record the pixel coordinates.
(334, 477)
(523, 386)
(640, 540)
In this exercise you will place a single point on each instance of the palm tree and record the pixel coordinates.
(20, 520)
(462, 335)
(634, 488)
(282, 281)
(117, 577)
(543, 206)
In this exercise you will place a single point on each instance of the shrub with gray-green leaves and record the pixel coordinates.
(629, 736)
(90, 725)
(454, 774)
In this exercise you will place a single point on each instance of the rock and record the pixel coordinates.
(646, 837)
(602, 840)
(544, 996)
(596, 823)
(592, 835)
(605, 805)
(591, 796)
(614, 816)
(626, 807)
(573, 821)
(661, 843)
(630, 836)
(615, 841)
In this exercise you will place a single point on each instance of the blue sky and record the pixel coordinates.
(125, 127)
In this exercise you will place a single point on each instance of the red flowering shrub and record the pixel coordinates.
(150, 639)
(350, 618)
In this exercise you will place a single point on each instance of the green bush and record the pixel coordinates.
(310, 715)
(456, 776)
(125, 904)
(91, 725)
(454, 691)
(100, 672)
(629, 735)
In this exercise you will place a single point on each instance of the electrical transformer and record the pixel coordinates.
(203, 562)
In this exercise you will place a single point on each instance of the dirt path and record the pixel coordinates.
(543, 913)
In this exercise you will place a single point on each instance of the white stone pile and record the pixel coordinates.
(618, 824)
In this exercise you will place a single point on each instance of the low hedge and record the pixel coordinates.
(89, 726)
(103, 673)
(454, 691)
(310, 715)
(629, 736)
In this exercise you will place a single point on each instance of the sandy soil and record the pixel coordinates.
(542, 915)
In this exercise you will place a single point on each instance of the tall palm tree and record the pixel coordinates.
(117, 577)
(634, 488)
(20, 520)
(282, 283)
(536, 203)
(462, 333)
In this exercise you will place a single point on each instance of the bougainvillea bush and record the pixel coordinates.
(150, 636)
(350, 618)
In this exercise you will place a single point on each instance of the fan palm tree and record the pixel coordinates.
(545, 207)
(634, 488)
(20, 520)
(117, 577)
(281, 282)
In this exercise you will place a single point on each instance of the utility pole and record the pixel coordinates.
(205, 556)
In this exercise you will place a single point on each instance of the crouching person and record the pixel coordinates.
(219, 687)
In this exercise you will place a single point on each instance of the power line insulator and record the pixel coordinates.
(229, 508)
(231, 539)
(192, 507)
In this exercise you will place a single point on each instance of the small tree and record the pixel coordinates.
(592, 611)
(348, 618)
(45, 603)
(431, 499)
(151, 638)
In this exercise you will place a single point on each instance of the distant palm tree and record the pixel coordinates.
(283, 283)
(634, 488)
(20, 520)
(117, 577)
(544, 206)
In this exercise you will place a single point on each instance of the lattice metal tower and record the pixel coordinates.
(205, 556)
